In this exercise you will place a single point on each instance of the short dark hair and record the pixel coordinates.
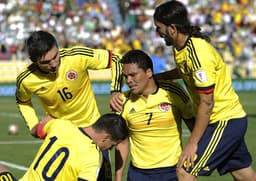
(138, 57)
(113, 124)
(39, 43)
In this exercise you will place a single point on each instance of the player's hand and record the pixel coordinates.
(43, 121)
(116, 102)
(187, 156)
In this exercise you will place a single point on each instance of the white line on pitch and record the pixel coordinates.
(12, 165)
(19, 142)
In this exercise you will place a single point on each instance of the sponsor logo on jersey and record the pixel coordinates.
(132, 111)
(206, 168)
(71, 75)
(164, 106)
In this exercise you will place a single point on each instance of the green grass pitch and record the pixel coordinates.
(19, 150)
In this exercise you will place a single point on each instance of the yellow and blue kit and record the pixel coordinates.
(155, 127)
(222, 146)
(68, 94)
(67, 153)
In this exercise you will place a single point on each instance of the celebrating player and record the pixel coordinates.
(217, 140)
(153, 114)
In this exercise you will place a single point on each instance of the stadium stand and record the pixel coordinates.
(124, 25)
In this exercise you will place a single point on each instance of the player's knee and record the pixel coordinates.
(244, 174)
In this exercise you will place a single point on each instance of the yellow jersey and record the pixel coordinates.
(67, 153)
(156, 122)
(68, 94)
(204, 71)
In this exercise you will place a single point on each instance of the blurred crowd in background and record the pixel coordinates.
(121, 25)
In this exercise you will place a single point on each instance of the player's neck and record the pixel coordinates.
(182, 40)
(151, 89)
(90, 132)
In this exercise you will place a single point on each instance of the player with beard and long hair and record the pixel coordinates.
(217, 140)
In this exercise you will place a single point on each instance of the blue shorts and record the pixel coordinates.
(154, 174)
(222, 147)
(105, 170)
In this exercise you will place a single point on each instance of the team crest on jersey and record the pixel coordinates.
(164, 106)
(71, 75)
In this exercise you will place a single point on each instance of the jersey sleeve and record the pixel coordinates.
(205, 69)
(89, 173)
(89, 168)
(112, 60)
(25, 106)
(97, 59)
(125, 97)
(116, 72)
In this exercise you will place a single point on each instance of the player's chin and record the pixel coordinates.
(134, 90)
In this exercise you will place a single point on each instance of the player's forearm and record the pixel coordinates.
(121, 154)
(168, 75)
(29, 115)
(202, 118)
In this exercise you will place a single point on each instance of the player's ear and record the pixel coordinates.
(172, 29)
(149, 73)
(105, 137)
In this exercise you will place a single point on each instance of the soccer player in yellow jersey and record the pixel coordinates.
(217, 140)
(71, 153)
(153, 114)
(59, 78)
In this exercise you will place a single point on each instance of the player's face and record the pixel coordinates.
(162, 30)
(136, 78)
(50, 62)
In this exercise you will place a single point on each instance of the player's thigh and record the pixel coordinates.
(244, 174)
